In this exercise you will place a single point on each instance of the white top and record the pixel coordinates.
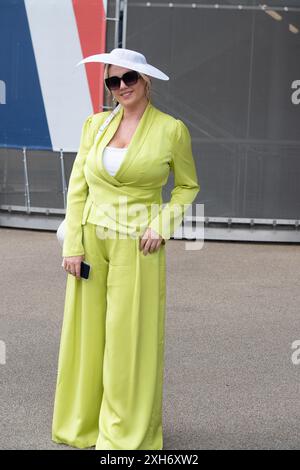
(112, 158)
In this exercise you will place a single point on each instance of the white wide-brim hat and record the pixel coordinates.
(127, 58)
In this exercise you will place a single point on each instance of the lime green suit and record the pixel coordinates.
(110, 370)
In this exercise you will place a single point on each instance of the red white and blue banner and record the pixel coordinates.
(44, 96)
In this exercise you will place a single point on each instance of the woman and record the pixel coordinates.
(110, 370)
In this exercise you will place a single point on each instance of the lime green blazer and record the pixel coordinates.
(131, 200)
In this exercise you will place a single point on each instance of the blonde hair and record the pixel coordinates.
(146, 78)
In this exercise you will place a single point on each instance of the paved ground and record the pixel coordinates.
(233, 313)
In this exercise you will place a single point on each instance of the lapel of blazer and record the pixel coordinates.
(136, 142)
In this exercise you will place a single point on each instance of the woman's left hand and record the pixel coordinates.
(150, 241)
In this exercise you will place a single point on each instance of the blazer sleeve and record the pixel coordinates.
(77, 195)
(186, 186)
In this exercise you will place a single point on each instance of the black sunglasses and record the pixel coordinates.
(129, 78)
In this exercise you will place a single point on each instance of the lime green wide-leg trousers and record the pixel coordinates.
(109, 388)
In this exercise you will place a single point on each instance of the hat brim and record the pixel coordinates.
(147, 69)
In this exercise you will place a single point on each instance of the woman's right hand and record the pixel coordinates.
(72, 265)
